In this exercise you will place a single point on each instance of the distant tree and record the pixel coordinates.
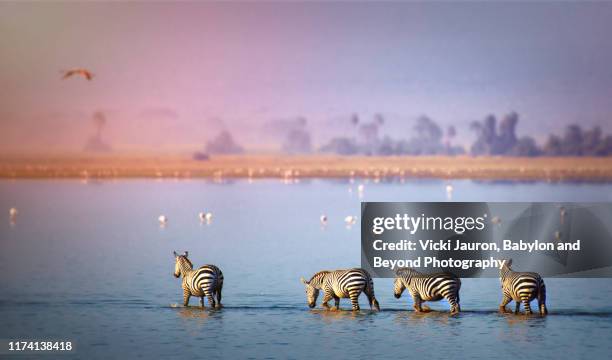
(572, 140)
(489, 141)
(427, 129)
(591, 140)
(525, 146)
(553, 146)
(341, 146)
(605, 146)
(223, 144)
(297, 142)
(506, 139)
(95, 143)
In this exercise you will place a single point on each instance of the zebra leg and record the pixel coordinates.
(337, 302)
(326, 297)
(517, 307)
(454, 304)
(542, 300)
(219, 297)
(202, 302)
(354, 296)
(417, 303)
(372, 300)
(186, 296)
(369, 290)
(211, 299)
(527, 305)
(505, 301)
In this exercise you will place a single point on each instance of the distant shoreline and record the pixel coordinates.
(313, 166)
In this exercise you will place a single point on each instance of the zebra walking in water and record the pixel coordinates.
(522, 287)
(339, 284)
(207, 281)
(428, 287)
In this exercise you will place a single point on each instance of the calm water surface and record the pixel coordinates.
(90, 263)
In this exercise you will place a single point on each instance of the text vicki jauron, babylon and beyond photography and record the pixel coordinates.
(458, 245)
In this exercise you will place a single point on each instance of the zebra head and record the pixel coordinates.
(505, 264)
(504, 268)
(402, 279)
(312, 293)
(181, 264)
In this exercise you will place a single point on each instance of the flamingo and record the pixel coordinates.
(205, 217)
(350, 220)
(449, 191)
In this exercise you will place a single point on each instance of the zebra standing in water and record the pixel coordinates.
(341, 284)
(522, 287)
(428, 287)
(205, 281)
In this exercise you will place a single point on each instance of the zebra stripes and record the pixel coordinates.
(341, 284)
(207, 281)
(428, 287)
(522, 287)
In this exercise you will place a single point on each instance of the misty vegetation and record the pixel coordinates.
(492, 138)
(428, 139)
(298, 139)
(223, 144)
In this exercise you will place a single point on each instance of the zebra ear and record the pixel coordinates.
(303, 281)
(186, 253)
(175, 254)
(508, 262)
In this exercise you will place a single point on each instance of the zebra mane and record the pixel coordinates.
(319, 274)
(406, 271)
(183, 257)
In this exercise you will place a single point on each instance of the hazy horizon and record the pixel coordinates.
(171, 76)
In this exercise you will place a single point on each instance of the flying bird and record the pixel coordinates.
(163, 220)
(323, 219)
(78, 71)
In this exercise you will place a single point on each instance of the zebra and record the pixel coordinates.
(338, 284)
(428, 287)
(522, 287)
(205, 281)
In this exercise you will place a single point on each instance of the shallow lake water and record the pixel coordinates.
(89, 262)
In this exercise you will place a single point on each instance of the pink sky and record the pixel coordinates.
(175, 74)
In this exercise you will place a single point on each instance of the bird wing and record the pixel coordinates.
(68, 74)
